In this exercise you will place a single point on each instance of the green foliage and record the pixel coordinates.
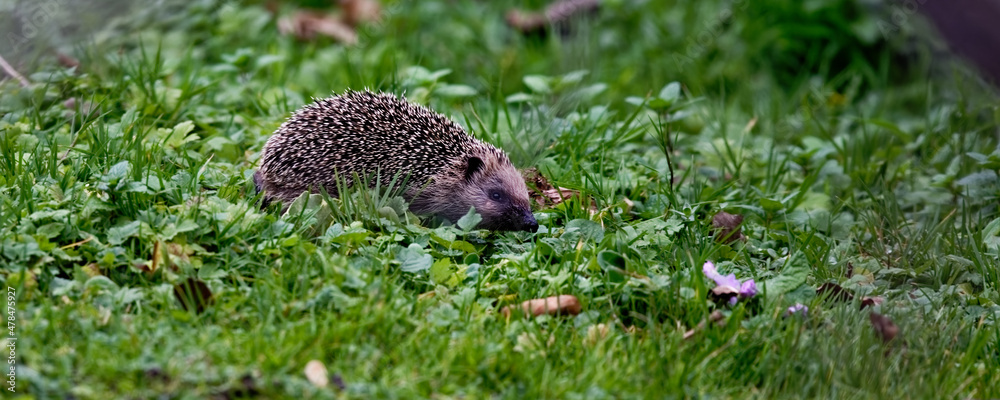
(651, 116)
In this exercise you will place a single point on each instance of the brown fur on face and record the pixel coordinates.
(484, 179)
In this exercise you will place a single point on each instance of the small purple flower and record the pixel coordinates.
(748, 289)
(798, 308)
(729, 284)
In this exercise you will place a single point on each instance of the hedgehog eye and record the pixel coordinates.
(495, 195)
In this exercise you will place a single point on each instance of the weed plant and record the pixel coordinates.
(853, 158)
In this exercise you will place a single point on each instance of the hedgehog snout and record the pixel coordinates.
(512, 219)
(529, 223)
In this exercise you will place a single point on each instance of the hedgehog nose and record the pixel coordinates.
(530, 224)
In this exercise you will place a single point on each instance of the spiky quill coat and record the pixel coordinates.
(381, 137)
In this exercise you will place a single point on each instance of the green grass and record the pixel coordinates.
(852, 158)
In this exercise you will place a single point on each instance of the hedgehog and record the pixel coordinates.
(443, 170)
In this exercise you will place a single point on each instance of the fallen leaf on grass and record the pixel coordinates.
(67, 60)
(884, 327)
(142, 267)
(871, 301)
(544, 194)
(535, 180)
(558, 14)
(193, 294)
(358, 11)
(727, 227)
(316, 373)
(155, 264)
(526, 22)
(542, 191)
(836, 292)
(305, 25)
(557, 195)
(555, 305)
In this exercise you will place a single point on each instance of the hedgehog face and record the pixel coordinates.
(490, 183)
(501, 198)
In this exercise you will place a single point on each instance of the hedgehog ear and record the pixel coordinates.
(473, 165)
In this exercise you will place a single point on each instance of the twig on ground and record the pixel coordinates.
(9, 70)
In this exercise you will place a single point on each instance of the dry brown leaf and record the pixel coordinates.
(141, 267)
(526, 22)
(557, 195)
(727, 227)
(884, 327)
(871, 301)
(544, 194)
(305, 25)
(834, 292)
(535, 180)
(67, 60)
(559, 14)
(316, 373)
(155, 264)
(359, 11)
(555, 305)
(193, 294)
(536, 183)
